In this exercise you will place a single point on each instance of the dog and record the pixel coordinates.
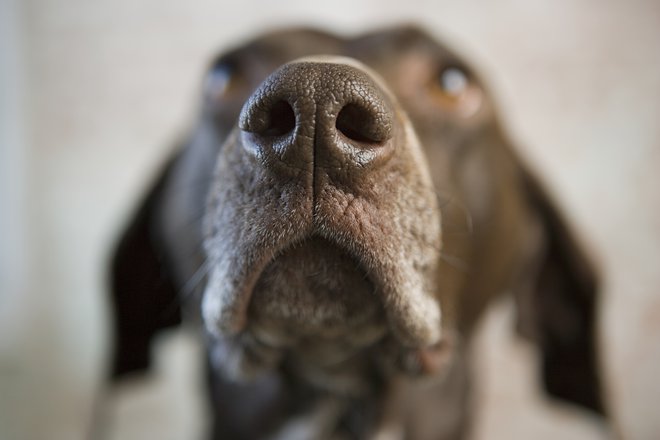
(336, 223)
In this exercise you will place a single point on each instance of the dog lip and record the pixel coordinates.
(226, 300)
(317, 285)
(221, 320)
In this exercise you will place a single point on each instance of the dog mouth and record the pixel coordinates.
(293, 267)
(315, 291)
(317, 304)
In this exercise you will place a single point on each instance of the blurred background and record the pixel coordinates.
(93, 94)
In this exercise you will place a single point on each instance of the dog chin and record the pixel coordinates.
(313, 303)
(313, 288)
(310, 295)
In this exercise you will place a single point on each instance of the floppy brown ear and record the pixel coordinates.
(143, 294)
(563, 302)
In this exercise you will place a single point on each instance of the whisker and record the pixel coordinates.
(191, 184)
(190, 221)
(468, 218)
(186, 291)
(196, 248)
(454, 261)
(193, 282)
(444, 202)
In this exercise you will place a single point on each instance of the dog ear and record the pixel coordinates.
(143, 294)
(561, 309)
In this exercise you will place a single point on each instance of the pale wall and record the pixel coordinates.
(99, 90)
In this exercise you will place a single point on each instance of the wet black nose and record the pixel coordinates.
(321, 114)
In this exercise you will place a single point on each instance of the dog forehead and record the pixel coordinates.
(282, 46)
(397, 40)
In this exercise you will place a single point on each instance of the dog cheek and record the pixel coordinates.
(243, 358)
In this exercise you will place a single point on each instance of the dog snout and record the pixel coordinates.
(326, 114)
(323, 153)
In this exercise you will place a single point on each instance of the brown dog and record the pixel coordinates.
(339, 219)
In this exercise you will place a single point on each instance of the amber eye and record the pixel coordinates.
(453, 82)
(221, 79)
(453, 89)
(218, 79)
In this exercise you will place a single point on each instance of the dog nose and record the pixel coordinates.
(328, 114)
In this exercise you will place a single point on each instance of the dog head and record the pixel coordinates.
(345, 196)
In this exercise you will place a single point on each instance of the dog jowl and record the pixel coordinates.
(341, 214)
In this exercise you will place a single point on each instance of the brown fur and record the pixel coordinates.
(340, 261)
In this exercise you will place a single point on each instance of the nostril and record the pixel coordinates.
(360, 125)
(281, 121)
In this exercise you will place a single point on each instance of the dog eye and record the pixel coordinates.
(453, 82)
(454, 89)
(220, 79)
